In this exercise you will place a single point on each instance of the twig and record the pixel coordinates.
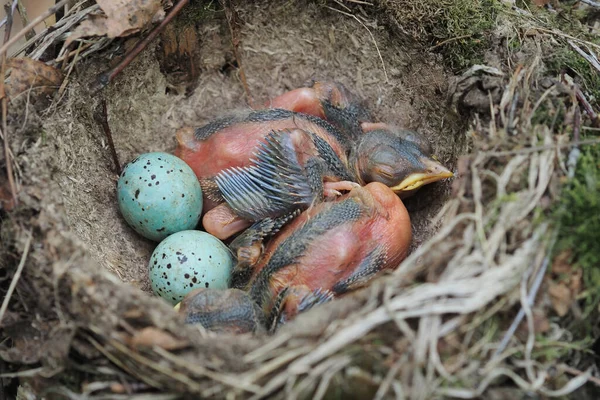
(40, 18)
(101, 117)
(370, 33)
(7, 153)
(23, 13)
(591, 3)
(343, 5)
(59, 28)
(589, 110)
(105, 78)
(9, 15)
(359, 2)
(566, 36)
(587, 106)
(449, 41)
(583, 54)
(66, 80)
(17, 275)
(234, 30)
(74, 52)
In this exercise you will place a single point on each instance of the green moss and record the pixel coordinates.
(550, 350)
(466, 25)
(198, 11)
(578, 213)
(549, 110)
(459, 29)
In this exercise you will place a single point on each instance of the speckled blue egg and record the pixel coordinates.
(158, 195)
(189, 260)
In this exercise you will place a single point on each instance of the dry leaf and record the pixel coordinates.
(566, 283)
(28, 74)
(541, 323)
(561, 263)
(561, 298)
(6, 198)
(122, 18)
(575, 282)
(149, 337)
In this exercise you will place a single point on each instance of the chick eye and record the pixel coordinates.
(385, 171)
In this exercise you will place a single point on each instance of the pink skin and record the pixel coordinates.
(371, 126)
(337, 254)
(304, 100)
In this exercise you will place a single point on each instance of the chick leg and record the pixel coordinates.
(334, 189)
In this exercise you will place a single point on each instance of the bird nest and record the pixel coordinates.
(458, 318)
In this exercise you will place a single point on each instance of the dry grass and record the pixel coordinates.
(439, 326)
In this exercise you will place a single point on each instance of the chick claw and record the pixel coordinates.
(334, 189)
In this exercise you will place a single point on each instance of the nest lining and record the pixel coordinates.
(486, 246)
(144, 118)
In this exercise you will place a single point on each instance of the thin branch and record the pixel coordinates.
(52, 10)
(104, 79)
(101, 117)
(566, 36)
(454, 39)
(233, 22)
(23, 13)
(583, 54)
(359, 2)
(587, 106)
(591, 3)
(7, 154)
(15, 279)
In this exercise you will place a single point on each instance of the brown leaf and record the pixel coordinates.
(122, 18)
(149, 337)
(7, 201)
(541, 323)
(561, 298)
(27, 74)
(561, 263)
(575, 282)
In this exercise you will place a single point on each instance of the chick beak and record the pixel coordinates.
(434, 171)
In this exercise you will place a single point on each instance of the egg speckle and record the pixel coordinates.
(158, 195)
(188, 260)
